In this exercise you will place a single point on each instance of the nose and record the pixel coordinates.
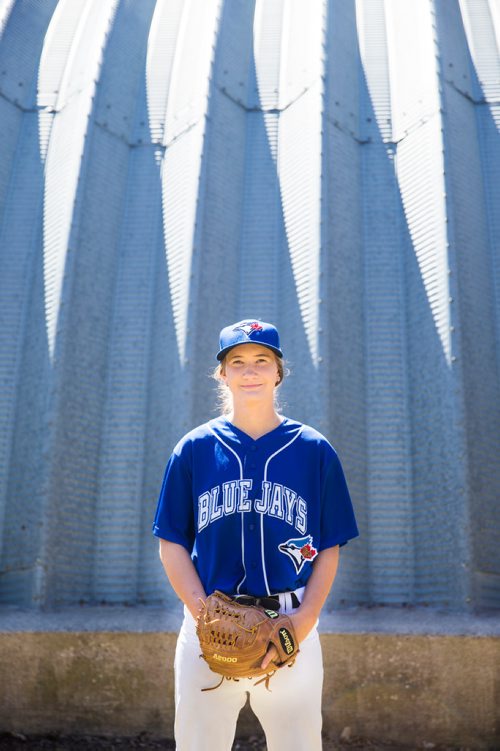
(249, 369)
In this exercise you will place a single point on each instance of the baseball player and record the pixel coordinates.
(252, 503)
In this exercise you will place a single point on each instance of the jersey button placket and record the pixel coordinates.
(252, 547)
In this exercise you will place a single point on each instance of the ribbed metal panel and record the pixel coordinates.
(341, 334)
(262, 239)
(74, 171)
(422, 183)
(482, 29)
(86, 25)
(475, 296)
(165, 27)
(391, 570)
(372, 31)
(23, 358)
(181, 167)
(132, 283)
(299, 159)
(167, 166)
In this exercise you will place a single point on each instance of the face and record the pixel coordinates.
(250, 371)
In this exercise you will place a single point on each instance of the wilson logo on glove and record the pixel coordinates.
(287, 641)
(272, 613)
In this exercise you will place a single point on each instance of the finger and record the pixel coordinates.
(271, 653)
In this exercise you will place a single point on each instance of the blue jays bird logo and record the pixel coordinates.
(248, 327)
(299, 550)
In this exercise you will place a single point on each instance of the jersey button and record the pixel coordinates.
(252, 465)
(251, 527)
(253, 447)
(253, 564)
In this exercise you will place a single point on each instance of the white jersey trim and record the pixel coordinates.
(241, 512)
(262, 515)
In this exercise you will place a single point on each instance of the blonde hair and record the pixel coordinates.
(224, 396)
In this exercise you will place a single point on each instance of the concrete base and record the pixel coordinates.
(409, 677)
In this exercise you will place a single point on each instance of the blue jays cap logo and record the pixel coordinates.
(299, 550)
(248, 327)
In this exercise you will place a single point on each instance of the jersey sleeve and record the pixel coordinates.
(338, 523)
(174, 519)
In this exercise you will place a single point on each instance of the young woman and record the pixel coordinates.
(252, 503)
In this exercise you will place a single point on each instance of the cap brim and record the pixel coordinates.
(223, 352)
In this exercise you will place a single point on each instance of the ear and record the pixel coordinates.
(278, 376)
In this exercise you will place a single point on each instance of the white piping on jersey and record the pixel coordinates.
(262, 515)
(241, 512)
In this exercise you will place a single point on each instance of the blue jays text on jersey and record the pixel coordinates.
(232, 497)
(254, 514)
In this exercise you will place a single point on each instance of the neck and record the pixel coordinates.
(255, 422)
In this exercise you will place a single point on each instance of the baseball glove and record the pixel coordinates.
(234, 638)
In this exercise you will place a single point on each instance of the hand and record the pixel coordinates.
(303, 623)
(271, 655)
(196, 607)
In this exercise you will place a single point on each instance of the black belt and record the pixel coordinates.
(270, 602)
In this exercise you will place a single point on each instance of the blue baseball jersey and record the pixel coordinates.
(254, 514)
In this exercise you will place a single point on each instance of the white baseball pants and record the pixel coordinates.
(290, 712)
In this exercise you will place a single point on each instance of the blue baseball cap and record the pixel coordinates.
(249, 332)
